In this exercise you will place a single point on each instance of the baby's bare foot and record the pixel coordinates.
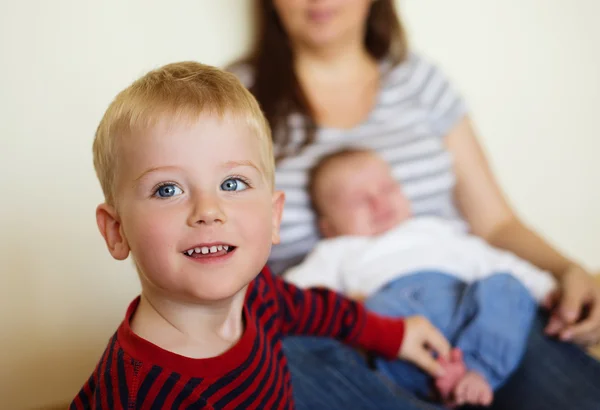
(455, 370)
(473, 389)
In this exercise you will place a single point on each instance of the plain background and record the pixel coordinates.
(529, 70)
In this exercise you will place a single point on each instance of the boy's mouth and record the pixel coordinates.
(208, 251)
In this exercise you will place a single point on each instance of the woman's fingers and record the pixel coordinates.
(573, 297)
(587, 331)
(555, 325)
(551, 300)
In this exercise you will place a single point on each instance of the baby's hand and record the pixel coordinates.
(421, 340)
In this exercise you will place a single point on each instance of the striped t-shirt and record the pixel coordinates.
(415, 108)
(133, 373)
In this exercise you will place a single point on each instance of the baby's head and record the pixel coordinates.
(354, 192)
(184, 158)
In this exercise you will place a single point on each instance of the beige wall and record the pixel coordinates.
(529, 69)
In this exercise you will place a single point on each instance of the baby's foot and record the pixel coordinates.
(473, 389)
(455, 370)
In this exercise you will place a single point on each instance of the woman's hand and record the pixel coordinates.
(421, 340)
(575, 307)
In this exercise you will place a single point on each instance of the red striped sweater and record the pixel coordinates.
(136, 374)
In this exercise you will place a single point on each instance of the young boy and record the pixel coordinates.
(407, 266)
(184, 158)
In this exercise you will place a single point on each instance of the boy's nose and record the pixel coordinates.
(207, 211)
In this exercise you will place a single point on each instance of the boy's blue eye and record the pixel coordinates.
(168, 191)
(234, 184)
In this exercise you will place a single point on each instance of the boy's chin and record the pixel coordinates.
(220, 291)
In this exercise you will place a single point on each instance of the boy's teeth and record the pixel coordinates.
(205, 250)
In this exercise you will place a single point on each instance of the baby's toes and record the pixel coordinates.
(460, 392)
(472, 393)
(486, 396)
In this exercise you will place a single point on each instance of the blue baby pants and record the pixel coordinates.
(489, 320)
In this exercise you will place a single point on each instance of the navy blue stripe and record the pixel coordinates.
(98, 400)
(269, 323)
(271, 390)
(107, 374)
(101, 365)
(147, 385)
(288, 305)
(251, 298)
(188, 389)
(92, 384)
(122, 378)
(324, 319)
(262, 308)
(285, 311)
(311, 313)
(279, 379)
(232, 375)
(165, 390)
(242, 387)
(84, 399)
(343, 331)
(270, 364)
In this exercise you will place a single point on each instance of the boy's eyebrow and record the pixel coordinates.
(228, 165)
(243, 163)
(149, 170)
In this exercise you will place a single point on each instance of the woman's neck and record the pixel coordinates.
(335, 64)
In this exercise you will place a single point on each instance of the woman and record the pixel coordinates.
(333, 73)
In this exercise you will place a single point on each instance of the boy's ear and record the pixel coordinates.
(110, 227)
(278, 201)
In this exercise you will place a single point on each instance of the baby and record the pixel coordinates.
(481, 298)
(184, 158)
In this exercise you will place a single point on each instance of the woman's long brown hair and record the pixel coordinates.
(276, 86)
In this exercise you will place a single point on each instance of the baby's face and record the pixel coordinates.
(359, 196)
(196, 208)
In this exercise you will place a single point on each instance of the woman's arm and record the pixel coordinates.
(485, 208)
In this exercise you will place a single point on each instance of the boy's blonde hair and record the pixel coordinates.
(175, 92)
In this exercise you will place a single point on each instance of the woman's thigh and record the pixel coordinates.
(327, 374)
(552, 375)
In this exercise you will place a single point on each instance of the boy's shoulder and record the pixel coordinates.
(121, 381)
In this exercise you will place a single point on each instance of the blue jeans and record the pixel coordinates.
(489, 320)
(329, 375)
(552, 375)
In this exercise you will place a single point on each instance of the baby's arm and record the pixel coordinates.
(323, 266)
